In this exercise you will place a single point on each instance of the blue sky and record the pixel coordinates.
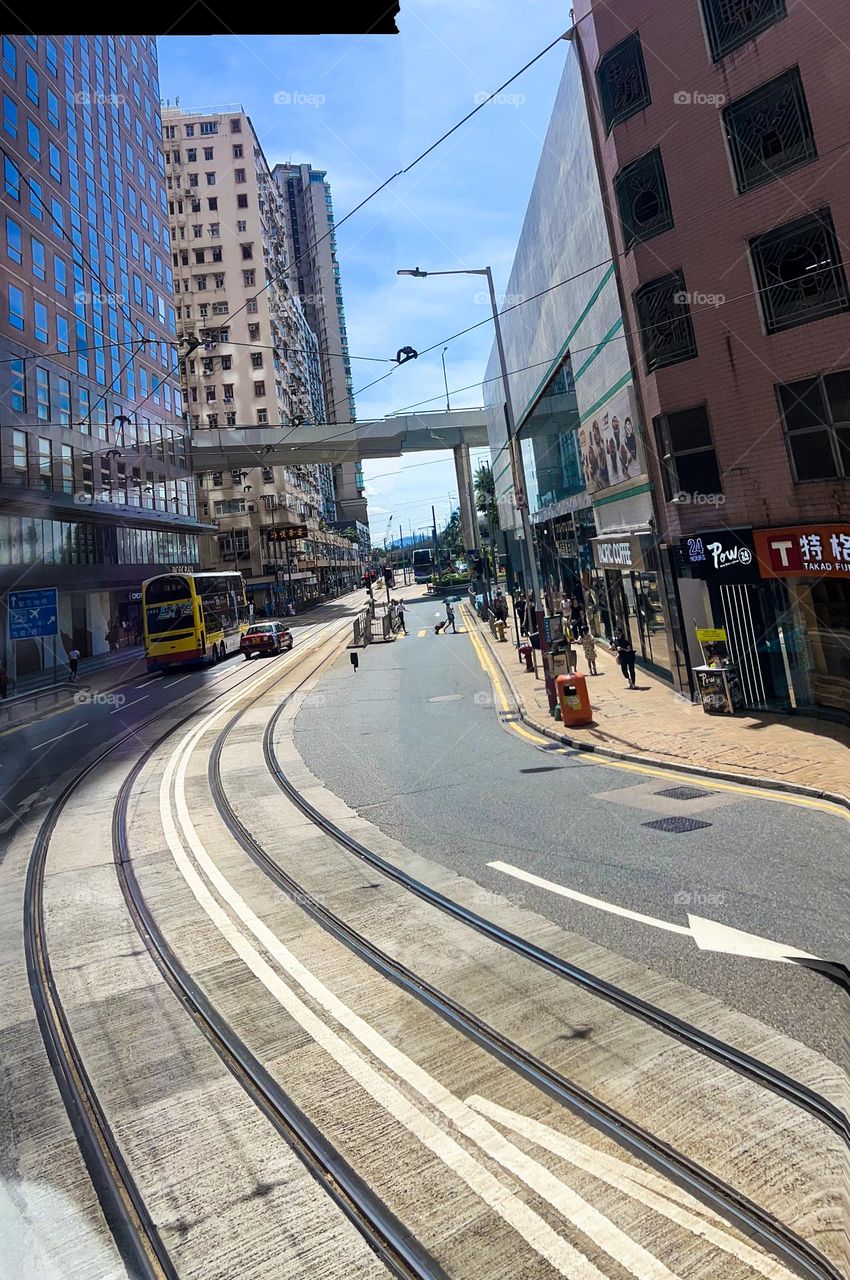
(363, 108)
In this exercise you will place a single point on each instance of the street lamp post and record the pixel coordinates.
(516, 456)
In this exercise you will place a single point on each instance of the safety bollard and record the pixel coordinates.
(526, 652)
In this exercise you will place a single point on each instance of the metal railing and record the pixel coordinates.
(17, 708)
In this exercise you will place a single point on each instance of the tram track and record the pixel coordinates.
(137, 1238)
(725, 1199)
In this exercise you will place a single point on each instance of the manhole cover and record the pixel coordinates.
(683, 793)
(676, 825)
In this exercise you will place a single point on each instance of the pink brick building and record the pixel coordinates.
(723, 145)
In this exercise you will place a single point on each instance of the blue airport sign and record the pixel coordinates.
(33, 613)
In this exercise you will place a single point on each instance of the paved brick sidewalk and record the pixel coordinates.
(655, 722)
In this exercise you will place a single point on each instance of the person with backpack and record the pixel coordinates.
(625, 651)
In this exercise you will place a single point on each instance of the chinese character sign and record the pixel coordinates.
(287, 533)
(33, 613)
(821, 550)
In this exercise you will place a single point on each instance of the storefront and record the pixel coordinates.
(565, 552)
(628, 589)
(807, 569)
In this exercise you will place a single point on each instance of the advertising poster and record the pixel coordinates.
(611, 450)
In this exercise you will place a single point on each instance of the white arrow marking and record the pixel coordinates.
(709, 935)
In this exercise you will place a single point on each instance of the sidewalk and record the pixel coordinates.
(658, 726)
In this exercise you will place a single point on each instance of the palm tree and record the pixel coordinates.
(484, 485)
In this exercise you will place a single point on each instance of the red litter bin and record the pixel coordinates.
(573, 699)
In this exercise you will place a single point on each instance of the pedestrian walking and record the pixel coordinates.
(399, 613)
(4, 682)
(589, 646)
(450, 618)
(73, 662)
(576, 617)
(625, 657)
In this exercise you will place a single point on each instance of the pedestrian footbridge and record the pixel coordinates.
(232, 448)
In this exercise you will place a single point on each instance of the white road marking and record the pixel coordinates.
(641, 1184)
(129, 704)
(21, 809)
(47, 743)
(519, 874)
(179, 678)
(145, 683)
(535, 1230)
(709, 935)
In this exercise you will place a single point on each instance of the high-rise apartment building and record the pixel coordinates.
(316, 276)
(256, 362)
(95, 486)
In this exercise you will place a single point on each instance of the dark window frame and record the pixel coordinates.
(750, 180)
(611, 114)
(828, 426)
(720, 46)
(676, 282)
(648, 165)
(767, 286)
(668, 455)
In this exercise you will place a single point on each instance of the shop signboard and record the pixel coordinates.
(822, 550)
(722, 555)
(553, 628)
(610, 445)
(621, 551)
(287, 533)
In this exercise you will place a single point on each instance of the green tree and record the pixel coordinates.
(451, 536)
(485, 495)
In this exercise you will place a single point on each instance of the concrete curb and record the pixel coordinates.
(745, 779)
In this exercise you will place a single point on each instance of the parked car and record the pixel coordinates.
(267, 638)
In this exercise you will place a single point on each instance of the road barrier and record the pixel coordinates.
(23, 706)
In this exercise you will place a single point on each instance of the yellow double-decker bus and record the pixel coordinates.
(192, 617)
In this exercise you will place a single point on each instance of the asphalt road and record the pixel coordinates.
(34, 758)
(412, 741)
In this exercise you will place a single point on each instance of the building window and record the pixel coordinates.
(208, 127)
(227, 391)
(247, 251)
(623, 86)
(197, 231)
(688, 461)
(642, 198)
(32, 85)
(268, 475)
(199, 256)
(230, 419)
(63, 401)
(241, 201)
(239, 175)
(215, 253)
(731, 23)
(16, 307)
(212, 419)
(200, 282)
(10, 116)
(191, 155)
(210, 392)
(262, 417)
(19, 458)
(226, 362)
(60, 275)
(212, 203)
(241, 226)
(257, 359)
(248, 278)
(799, 272)
(10, 58)
(11, 178)
(251, 306)
(664, 318)
(14, 241)
(218, 281)
(39, 264)
(62, 334)
(259, 388)
(18, 388)
(235, 125)
(66, 464)
(42, 394)
(45, 463)
(254, 332)
(237, 151)
(769, 131)
(816, 417)
(208, 153)
(215, 232)
(210, 177)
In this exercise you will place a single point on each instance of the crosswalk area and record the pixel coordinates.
(429, 631)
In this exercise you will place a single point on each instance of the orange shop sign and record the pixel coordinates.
(819, 549)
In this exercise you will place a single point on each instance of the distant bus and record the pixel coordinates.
(423, 564)
(192, 617)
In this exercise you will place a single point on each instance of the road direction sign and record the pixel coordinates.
(33, 613)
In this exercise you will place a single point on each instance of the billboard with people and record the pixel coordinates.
(610, 445)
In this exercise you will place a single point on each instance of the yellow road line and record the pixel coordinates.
(422, 633)
(652, 771)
